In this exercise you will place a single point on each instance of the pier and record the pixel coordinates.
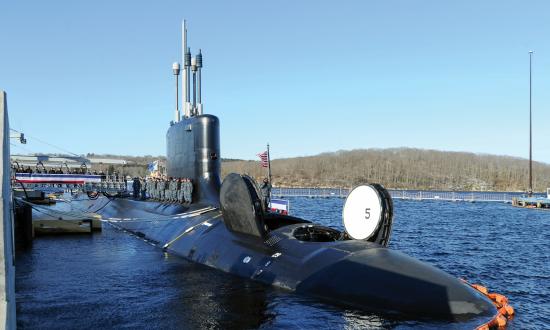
(7, 271)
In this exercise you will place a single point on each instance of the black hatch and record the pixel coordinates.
(241, 206)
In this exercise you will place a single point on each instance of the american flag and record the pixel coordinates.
(263, 158)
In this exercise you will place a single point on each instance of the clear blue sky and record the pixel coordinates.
(306, 76)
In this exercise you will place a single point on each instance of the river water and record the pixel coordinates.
(114, 280)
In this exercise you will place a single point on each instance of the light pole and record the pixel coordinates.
(530, 193)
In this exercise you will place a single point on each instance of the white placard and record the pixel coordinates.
(362, 212)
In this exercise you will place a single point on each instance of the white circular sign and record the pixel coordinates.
(362, 212)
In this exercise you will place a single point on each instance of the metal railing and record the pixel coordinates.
(482, 196)
(109, 183)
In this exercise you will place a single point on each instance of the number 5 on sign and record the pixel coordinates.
(367, 213)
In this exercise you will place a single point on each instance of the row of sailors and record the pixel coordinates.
(175, 190)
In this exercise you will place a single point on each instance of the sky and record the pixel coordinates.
(304, 76)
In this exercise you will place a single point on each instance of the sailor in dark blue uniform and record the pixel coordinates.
(136, 185)
(266, 192)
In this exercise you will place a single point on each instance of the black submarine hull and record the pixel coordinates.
(350, 272)
(224, 230)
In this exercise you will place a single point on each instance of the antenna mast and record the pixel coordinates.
(185, 76)
(191, 65)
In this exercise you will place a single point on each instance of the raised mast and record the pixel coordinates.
(199, 81)
(185, 75)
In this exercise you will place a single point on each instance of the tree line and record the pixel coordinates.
(402, 168)
(398, 168)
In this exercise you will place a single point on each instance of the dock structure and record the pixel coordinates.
(465, 196)
(34, 218)
(533, 202)
(7, 269)
(61, 219)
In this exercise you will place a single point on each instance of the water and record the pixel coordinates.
(114, 280)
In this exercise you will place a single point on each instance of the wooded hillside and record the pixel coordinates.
(401, 168)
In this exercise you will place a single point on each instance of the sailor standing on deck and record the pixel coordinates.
(147, 187)
(174, 190)
(162, 189)
(136, 185)
(188, 191)
(171, 190)
(143, 188)
(167, 192)
(168, 195)
(266, 192)
(181, 187)
(159, 187)
(153, 189)
(185, 188)
(177, 189)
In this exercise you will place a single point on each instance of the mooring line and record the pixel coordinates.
(166, 218)
(94, 216)
(188, 230)
(57, 213)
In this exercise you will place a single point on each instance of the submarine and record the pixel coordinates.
(228, 227)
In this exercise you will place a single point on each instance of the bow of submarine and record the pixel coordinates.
(384, 279)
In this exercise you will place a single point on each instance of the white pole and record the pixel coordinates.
(176, 69)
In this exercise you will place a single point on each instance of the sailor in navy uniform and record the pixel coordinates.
(136, 185)
(266, 192)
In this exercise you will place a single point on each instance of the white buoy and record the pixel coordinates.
(363, 211)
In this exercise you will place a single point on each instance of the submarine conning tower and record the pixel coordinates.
(193, 140)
